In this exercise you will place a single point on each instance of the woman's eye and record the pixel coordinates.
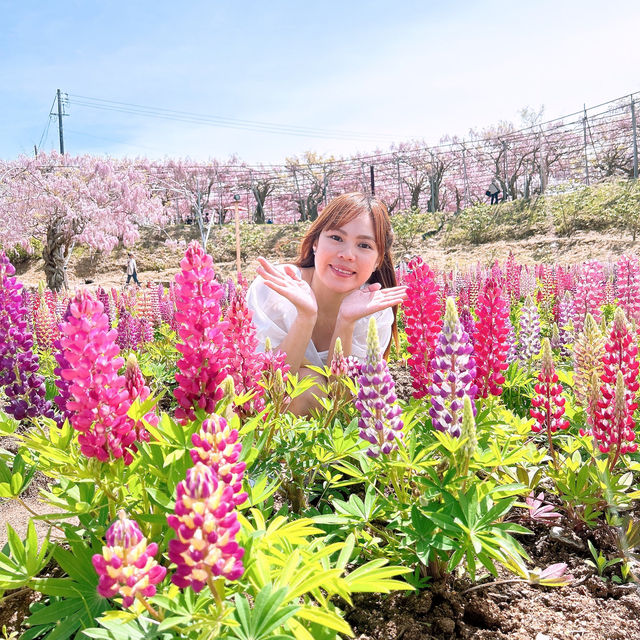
(336, 238)
(365, 245)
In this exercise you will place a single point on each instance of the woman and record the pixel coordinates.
(344, 274)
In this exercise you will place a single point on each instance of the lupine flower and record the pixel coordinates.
(512, 352)
(100, 400)
(422, 323)
(512, 278)
(628, 286)
(63, 385)
(103, 296)
(338, 361)
(217, 446)
(204, 359)
(589, 293)
(614, 426)
(128, 331)
(127, 566)
(454, 370)
(23, 387)
(468, 324)
(491, 340)
(468, 430)
(588, 351)
(380, 423)
(206, 525)
(529, 330)
(548, 404)
(46, 325)
(243, 363)
(564, 313)
(527, 282)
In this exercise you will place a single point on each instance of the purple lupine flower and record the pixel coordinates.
(529, 330)
(127, 565)
(146, 330)
(380, 423)
(23, 387)
(454, 372)
(565, 326)
(103, 297)
(468, 324)
(512, 354)
(206, 525)
(63, 385)
(217, 446)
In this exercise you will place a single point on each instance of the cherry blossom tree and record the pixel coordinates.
(64, 200)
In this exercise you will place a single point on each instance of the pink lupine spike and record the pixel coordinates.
(127, 566)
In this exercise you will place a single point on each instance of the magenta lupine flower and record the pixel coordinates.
(20, 381)
(127, 566)
(63, 385)
(206, 525)
(529, 330)
(100, 400)
(243, 364)
(146, 331)
(512, 278)
(468, 324)
(380, 423)
(628, 286)
(422, 323)
(203, 365)
(217, 446)
(548, 403)
(454, 370)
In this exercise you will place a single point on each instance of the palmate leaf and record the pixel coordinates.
(21, 561)
(269, 612)
(375, 577)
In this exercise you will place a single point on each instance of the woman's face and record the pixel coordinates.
(346, 257)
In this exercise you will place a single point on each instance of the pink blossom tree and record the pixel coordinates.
(63, 201)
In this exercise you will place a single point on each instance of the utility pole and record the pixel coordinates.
(60, 124)
(635, 139)
(584, 136)
(373, 182)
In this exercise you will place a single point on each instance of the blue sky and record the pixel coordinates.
(389, 70)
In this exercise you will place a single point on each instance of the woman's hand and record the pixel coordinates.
(363, 302)
(289, 285)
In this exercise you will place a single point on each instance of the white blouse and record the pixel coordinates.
(273, 316)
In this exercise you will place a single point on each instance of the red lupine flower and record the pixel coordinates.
(491, 340)
(548, 403)
(613, 425)
(126, 565)
(422, 323)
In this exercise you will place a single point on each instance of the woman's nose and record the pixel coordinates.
(346, 251)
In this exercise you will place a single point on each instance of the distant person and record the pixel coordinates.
(493, 191)
(269, 221)
(132, 271)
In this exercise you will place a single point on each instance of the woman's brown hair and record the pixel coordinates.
(341, 211)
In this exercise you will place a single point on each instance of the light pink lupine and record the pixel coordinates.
(589, 294)
(206, 525)
(127, 566)
(628, 286)
(217, 446)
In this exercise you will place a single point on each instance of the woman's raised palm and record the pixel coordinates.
(290, 285)
(363, 302)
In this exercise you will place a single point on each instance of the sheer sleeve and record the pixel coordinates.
(273, 315)
(384, 322)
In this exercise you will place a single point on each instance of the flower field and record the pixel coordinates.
(187, 502)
